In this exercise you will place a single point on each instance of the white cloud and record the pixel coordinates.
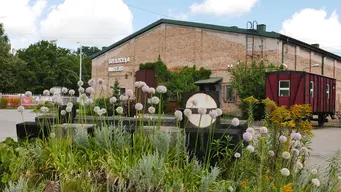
(178, 16)
(223, 7)
(315, 26)
(94, 23)
(20, 20)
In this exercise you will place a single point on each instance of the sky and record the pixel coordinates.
(102, 22)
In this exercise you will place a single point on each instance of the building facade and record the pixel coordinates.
(213, 47)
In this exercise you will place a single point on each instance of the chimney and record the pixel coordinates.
(316, 45)
(261, 28)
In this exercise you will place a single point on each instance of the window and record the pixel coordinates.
(284, 88)
(122, 91)
(327, 91)
(230, 94)
(311, 89)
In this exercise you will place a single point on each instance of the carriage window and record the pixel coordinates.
(284, 88)
(327, 91)
(311, 88)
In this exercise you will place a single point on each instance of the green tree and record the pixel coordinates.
(249, 80)
(116, 89)
(88, 51)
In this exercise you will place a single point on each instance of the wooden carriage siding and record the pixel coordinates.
(218, 48)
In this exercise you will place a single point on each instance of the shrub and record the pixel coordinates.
(3, 102)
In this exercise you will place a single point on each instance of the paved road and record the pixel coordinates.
(324, 144)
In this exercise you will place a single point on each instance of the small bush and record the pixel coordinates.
(15, 102)
(3, 102)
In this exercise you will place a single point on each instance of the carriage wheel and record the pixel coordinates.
(321, 120)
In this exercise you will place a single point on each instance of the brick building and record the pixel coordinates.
(181, 43)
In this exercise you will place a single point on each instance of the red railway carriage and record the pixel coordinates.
(298, 87)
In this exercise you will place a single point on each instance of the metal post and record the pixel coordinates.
(80, 63)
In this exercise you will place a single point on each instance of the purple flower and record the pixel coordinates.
(247, 136)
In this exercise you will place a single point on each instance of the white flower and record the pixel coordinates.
(68, 109)
(250, 130)
(292, 143)
(142, 84)
(213, 114)
(138, 106)
(91, 82)
(314, 171)
(80, 83)
(63, 112)
(90, 90)
(297, 143)
(247, 136)
(89, 101)
(46, 92)
(41, 102)
(21, 109)
(113, 100)
(129, 93)
(100, 81)
(44, 109)
(119, 110)
(188, 112)
(161, 89)
(250, 148)
(283, 139)
(178, 114)
(71, 92)
(151, 90)
(235, 122)
(52, 135)
(145, 89)
(194, 102)
(286, 155)
(151, 110)
(155, 100)
(64, 90)
(99, 112)
(96, 108)
(69, 104)
(285, 172)
(202, 111)
(295, 152)
(81, 90)
(263, 130)
(104, 111)
(28, 94)
(219, 111)
(123, 98)
(296, 136)
(315, 182)
(57, 100)
(304, 149)
(137, 84)
(271, 153)
(299, 165)
(52, 90)
(237, 155)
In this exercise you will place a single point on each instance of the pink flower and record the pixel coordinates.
(145, 89)
(247, 136)
(129, 93)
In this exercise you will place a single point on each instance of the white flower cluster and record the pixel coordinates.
(28, 94)
(21, 109)
(178, 115)
(44, 110)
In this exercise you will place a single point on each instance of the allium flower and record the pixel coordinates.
(296, 136)
(315, 182)
(213, 114)
(89, 101)
(52, 135)
(285, 172)
(187, 112)
(237, 155)
(219, 111)
(178, 114)
(142, 84)
(71, 92)
(151, 110)
(151, 90)
(250, 148)
(91, 82)
(46, 92)
(299, 165)
(63, 112)
(129, 93)
(286, 155)
(292, 143)
(123, 98)
(100, 81)
(21, 109)
(44, 109)
(68, 109)
(235, 122)
(155, 100)
(283, 139)
(81, 90)
(138, 106)
(57, 99)
(202, 111)
(145, 89)
(263, 130)
(90, 90)
(69, 104)
(99, 112)
(96, 109)
(119, 110)
(271, 153)
(52, 90)
(314, 171)
(104, 111)
(194, 102)
(113, 100)
(295, 152)
(297, 143)
(28, 94)
(161, 89)
(247, 136)
(250, 130)
(137, 84)
(41, 102)
(80, 83)
(64, 90)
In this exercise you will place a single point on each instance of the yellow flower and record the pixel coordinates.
(287, 188)
(251, 100)
(273, 187)
(267, 178)
(244, 183)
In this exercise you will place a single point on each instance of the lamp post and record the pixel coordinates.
(313, 65)
(80, 62)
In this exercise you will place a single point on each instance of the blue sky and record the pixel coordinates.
(102, 22)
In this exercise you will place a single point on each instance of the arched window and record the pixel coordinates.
(311, 89)
(327, 91)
